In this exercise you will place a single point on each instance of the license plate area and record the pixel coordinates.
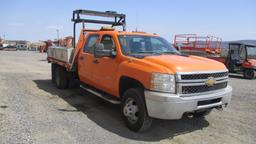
(207, 102)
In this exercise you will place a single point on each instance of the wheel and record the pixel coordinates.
(249, 74)
(200, 114)
(53, 68)
(134, 110)
(61, 78)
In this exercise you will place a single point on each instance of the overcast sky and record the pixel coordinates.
(38, 19)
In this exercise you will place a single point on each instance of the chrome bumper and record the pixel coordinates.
(173, 106)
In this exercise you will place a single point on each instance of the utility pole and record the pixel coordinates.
(3, 40)
(58, 36)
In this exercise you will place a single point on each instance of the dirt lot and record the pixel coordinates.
(32, 110)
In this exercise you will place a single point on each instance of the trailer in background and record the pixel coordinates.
(198, 45)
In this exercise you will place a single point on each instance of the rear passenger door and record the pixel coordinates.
(86, 57)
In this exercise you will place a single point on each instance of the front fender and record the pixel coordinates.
(140, 71)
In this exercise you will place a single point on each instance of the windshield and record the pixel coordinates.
(137, 45)
(251, 52)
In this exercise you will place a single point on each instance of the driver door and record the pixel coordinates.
(105, 68)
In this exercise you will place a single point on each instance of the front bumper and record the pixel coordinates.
(173, 106)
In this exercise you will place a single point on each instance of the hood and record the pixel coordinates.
(176, 63)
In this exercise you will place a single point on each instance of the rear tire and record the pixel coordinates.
(61, 78)
(249, 74)
(53, 68)
(134, 110)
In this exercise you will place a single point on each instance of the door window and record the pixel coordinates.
(108, 42)
(234, 52)
(91, 41)
(243, 53)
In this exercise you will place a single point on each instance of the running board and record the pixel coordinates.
(104, 97)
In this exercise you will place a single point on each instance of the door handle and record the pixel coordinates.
(96, 61)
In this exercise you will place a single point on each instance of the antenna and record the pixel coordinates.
(58, 36)
(136, 29)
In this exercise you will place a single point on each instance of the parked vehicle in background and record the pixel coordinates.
(10, 48)
(1, 47)
(140, 71)
(241, 58)
(66, 42)
(44, 47)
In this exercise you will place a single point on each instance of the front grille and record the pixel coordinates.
(203, 88)
(203, 76)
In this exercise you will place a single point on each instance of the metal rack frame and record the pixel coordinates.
(119, 19)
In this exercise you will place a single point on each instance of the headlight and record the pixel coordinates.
(163, 82)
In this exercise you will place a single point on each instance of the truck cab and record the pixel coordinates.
(140, 71)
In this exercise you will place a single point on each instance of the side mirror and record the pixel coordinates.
(99, 51)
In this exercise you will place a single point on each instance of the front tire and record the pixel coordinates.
(249, 74)
(134, 110)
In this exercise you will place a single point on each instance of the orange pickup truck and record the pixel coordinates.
(140, 71)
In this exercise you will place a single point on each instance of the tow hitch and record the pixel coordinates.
(220, 108)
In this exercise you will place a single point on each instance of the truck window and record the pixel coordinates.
(108, 42)
(158, 45)
(243, 53)
(145, 45)
(89, 46)
(251, 52)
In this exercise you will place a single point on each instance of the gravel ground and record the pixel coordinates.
(32, 110)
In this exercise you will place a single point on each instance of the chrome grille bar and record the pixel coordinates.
(194, 83)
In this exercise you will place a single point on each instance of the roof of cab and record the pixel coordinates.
(120, 32)
(136, 33)
(242, 43)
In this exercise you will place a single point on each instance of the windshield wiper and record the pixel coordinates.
(158, 52)
(151, 52)
(170, 52)
(176, 53)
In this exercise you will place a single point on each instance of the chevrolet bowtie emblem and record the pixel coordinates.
(210, 82)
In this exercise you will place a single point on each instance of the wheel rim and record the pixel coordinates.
(131, 110)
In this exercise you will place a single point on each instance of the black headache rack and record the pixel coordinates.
(119, 19)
